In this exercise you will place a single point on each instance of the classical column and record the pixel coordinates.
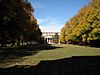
(47, 40)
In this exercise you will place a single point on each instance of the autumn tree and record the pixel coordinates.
(17, 21)
(84, 27)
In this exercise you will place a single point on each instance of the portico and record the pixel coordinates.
(51, 37)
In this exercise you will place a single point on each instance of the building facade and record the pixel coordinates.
(51, 37)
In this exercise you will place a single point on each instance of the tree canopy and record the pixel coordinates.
(84, 27)
(16, 20)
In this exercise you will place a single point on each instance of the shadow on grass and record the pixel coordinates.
(18, 52)
(83, 65)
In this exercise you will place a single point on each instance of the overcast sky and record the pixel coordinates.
(53, 14)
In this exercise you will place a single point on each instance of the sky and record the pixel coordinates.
(52, 15)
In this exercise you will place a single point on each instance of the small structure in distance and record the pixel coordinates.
(51, 37)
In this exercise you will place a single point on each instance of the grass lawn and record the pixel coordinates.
(60, 51)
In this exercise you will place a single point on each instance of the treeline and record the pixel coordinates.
(84, 27)
(17, 23)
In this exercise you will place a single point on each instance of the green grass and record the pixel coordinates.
(65, 51)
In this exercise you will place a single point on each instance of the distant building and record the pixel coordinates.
(51, 37)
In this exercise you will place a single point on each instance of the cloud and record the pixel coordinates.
(50, 24)
(36, 4)
(47, 24)
(51, 28)
(40, 21)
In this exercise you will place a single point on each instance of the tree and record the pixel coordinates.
(85, 25)
(16, 20)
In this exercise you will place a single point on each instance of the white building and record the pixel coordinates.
(51, 37)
